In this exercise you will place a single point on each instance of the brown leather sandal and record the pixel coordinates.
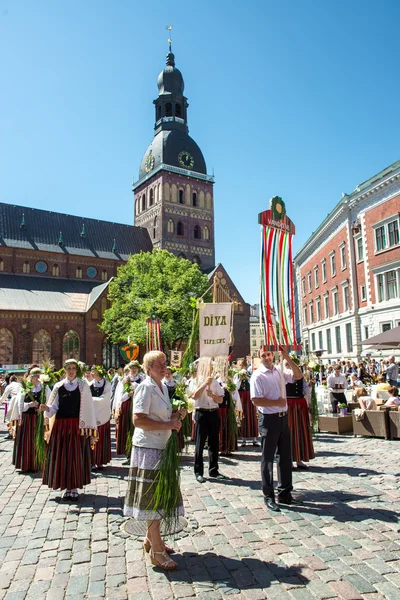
(167, 565)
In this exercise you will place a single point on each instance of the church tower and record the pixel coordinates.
(174, 195)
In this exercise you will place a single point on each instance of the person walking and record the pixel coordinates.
(269, 396)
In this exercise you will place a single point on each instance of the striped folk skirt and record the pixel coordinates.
(68, 463)
(227, 441)
(145, 464)
(101, 455)
(122, 425)
(24, 453)
(249, 426)
(300, 429)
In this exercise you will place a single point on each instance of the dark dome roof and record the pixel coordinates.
(166, 147)
(170, 80)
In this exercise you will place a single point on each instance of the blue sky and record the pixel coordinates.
(291, 98)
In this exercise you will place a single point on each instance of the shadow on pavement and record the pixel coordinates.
(351, 471)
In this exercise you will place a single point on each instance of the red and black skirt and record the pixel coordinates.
(122, 426)
(101, 454)
(24, 453)
(249, 425)
(227, 439)
(68, 461)
(300, 429)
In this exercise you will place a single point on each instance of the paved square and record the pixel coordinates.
(344, 542)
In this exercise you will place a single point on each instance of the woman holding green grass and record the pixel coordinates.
(154, 420)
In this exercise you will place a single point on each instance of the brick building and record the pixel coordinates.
(54, 274)
(348, 271)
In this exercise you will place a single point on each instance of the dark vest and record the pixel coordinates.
(69, 403)
(244, 386)
(227, 399)
(97, 391)
(36, 398)
(295, 389)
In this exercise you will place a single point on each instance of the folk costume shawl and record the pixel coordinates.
(102, 405)
(23, 397)
(120, 394)
(87, 416)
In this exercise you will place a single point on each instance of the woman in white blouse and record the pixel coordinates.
(154, 420)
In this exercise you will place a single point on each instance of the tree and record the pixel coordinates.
(153, 283)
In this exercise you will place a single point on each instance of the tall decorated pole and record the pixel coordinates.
(276, 278)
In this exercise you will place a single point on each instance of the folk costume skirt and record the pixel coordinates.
(145, 464)
(24, 453)
(101, 455)
(122, 425)
(227, 441)
(300, 429)
(249, 426)
(68, 463)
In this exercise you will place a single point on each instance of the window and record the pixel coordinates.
(393, 230)
(95, 314)
(324, 270)
(313, 341)
(254, 342)
(151, 197)
(391, 285)
(78, 273)
(182, 255)
(26, 267)
(303, 286)
(170, 226)
(305, 315)
(178, 110)
(380, 238)
(363, 293)
(343, 256)
(154, 228)
(346, 297)
(111, 356)
(168, 109)
(91, 272)
(196, 260)
(318, 307)
(41, 267)
(6, 346)
(181, 198)
(335, 299)
(320, 340)
(328, 341)
(179, 229)
(309, 282)
(197, 232)
(386, 327)
(316, 277)
(41, 347)
(158, 112)
(1, 264)
(254, 332)
(366, 332)
(103, 306)
(194, 199)
(360, 249)
(71, 345)
(144, 202)
(349, 338)
(333, 264)
(326, 306)
(206, 233)
(381, 288)
(338, 340)
(104, 275)
(311, 312)
(56, 271)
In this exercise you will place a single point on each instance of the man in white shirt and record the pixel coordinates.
(207, 396)
(337, 384)
(392, 372)
(269, 396)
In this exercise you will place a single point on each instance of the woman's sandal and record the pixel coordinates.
(74, 495)
(67, 495)
(147, 546)
(167, 565)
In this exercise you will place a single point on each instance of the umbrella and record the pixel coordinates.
(386, 340)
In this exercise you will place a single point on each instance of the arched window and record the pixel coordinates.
(110, 355)
(144, 202)
(178, 110)
(1, 264)
(6, 346)
(194, 199)
(206, 233)
(104, 275)
(136, 206)
(26, 267)
(168, 109)
(78, 273)
(55, 271)
(158, 113)
(103, 306)
(95, 313)
(179, 229)
(154, 228)
(41, 347)
(197, 232)
(151, 201)
(71, 345)
(196, 260)
(181, 197)
(170, 226)
(181, 255)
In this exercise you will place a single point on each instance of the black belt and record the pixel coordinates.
(206, 409)
(276, 414)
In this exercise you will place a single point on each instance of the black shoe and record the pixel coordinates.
(289, 501)
(302, 467)
(255, 443)
(272, 505)
(218, 476)
(200, 479)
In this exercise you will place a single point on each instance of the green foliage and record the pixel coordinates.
(314, 410)
(153, 282)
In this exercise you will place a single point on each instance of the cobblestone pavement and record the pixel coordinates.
(344, 542)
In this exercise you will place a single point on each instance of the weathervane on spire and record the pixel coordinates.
(169, 28)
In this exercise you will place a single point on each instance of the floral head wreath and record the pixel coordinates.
(35, 371)
(72, 361)
(99, 370)
(135, 363)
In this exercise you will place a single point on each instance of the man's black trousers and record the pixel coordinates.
(275, 437)
(207, 426)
